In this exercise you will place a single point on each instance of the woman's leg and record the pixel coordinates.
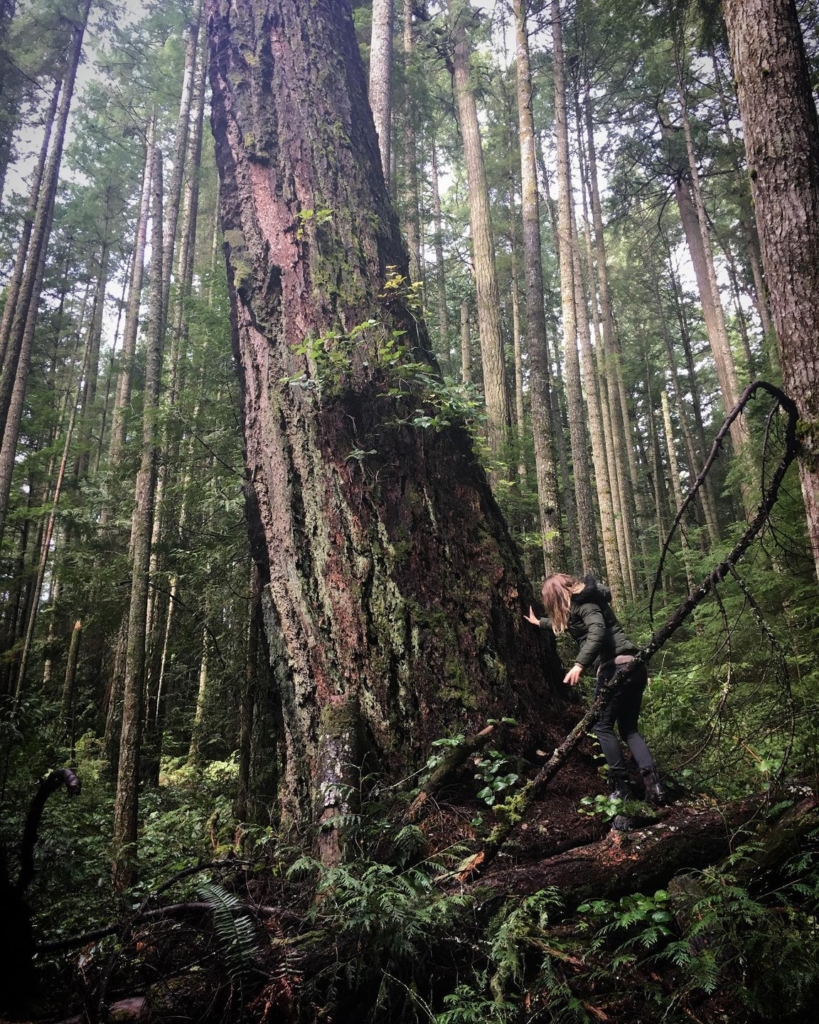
(604, 727)
(628, 713)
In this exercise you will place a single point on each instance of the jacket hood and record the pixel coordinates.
(593, 591)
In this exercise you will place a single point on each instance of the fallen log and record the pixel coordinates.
(644, 860)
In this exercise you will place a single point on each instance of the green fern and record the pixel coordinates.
(234, 929)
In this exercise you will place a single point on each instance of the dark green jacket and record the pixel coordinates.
(594, 626)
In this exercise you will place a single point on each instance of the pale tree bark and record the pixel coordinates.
(567, 505)
(781, 129)
(88, 396)
(412, 221)
(131, 329)
(381, 79)
(676, 486)
(466, 353)
(18, 384)
(483, 245)
(158, 602)
(444, 346)
(126, 806)
(589, 556)
(602, 485)
(698, 236)
(372, 639)
(69, 696)
(537, 347)
(197, 730)
(630, 507)
(173, 199)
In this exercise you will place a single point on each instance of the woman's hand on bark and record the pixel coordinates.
(572, 677)
(531, 617)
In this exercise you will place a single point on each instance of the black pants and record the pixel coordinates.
(624, 709)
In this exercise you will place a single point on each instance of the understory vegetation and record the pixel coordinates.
(126, 427)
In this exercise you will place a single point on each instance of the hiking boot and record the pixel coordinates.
(619, 784)
(656, 795)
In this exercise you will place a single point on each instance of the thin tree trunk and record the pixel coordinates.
(440, 270)
(129, 337)
(248, 701)
(173, 201)
(601, 471)
(674, 470)
(746, 218)
(16, 404)
(625, 480)
(14, 377)
(483, 247)
(466, 354)
(381, 79)
(540, 387)
(52, 518)
(412, 224)
(15, 282)
(69, 698)
(589, 556)
(126, 805)
(195, 748)
(695, 459)
(699, 242)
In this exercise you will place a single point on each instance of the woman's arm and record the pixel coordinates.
(595, 626)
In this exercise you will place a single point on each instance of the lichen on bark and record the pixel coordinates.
(391, 584)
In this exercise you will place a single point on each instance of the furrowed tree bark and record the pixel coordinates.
(540, 386)
(781, 128)
(392, 593)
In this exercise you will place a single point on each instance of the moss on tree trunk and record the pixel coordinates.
(391, 584)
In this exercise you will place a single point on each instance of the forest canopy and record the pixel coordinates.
(327, 331)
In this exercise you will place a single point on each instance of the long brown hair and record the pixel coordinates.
(557, 598)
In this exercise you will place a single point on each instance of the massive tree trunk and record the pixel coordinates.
(392, 593)
(782, 142)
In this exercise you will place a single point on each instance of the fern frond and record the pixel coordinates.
(234, 928)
